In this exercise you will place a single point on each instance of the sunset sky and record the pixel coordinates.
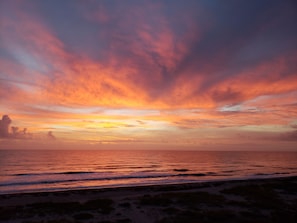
(149, 74)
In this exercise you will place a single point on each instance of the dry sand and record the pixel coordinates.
(260, 200)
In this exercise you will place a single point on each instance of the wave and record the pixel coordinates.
(73, 172)
(271, 174)
(54, 173)
(103, 178)
(115, 167)
(229, 171)
(82, 177)
(181, 170)
(192, 175)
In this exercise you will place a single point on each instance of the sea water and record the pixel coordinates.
(55, 170)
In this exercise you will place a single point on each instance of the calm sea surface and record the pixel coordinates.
(26, 171)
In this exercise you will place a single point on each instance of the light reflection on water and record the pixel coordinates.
(47, 170)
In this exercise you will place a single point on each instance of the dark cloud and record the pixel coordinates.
(243, 34)
(20, 134)
(15, 133)
(50, 135)
(289, 136)
(4, 126)
(226, 96)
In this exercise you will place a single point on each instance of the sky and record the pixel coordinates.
(157, 74)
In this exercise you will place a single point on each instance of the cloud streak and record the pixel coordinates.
(141, 55)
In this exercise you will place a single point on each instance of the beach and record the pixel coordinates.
(250, 200)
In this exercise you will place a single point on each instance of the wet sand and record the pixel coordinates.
(258, 200)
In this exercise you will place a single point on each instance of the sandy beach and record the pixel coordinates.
(257, 200)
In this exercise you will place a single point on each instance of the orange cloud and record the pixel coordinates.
(123, 82)
(269, 78)
(162, 82)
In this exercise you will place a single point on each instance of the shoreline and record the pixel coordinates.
(119, 186)
(127, 186)
(214, 201)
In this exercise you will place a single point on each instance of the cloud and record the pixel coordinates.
(150, 62)
(234, 63)
(50, 135)
(4, 126)
(289, 136)
(226, 95)
(15, 132)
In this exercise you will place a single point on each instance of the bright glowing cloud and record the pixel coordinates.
(190, 73)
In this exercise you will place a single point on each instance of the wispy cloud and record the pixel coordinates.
(153, 63)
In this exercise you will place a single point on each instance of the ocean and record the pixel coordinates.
(55, 170)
